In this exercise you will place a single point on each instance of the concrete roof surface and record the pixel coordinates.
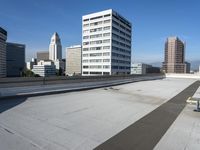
(83, 120)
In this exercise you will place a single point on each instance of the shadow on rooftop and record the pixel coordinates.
(6, 104)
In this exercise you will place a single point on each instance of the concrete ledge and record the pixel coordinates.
(187, 76)
(29, 81)
(59, 91)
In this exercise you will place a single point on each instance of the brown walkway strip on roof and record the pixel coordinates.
(145, 133)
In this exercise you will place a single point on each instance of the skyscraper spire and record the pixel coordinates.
(55, 48)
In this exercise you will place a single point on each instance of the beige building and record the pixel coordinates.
(174, 56)
(3, 38)
(42, 55)
(73, 60)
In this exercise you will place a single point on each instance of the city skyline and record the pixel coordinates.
(152, 23)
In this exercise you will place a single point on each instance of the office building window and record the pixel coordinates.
(106, 47)
(85, 37)
(107, 28)
(106, 41)
(98, 17)
(106, 54)
(106, 34)
(107, 21)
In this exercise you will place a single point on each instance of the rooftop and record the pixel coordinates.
(86, 119)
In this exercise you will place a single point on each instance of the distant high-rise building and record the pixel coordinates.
(174, 56)
(55, 48)
(73, 60)
(187, 68)
(3, 38)
(42, 55)
(106, 44)
(15, 59)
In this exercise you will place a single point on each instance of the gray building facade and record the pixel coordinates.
(15, 59)
(42, 55)
(3, 38)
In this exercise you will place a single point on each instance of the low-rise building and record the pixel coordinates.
(141, 68)
(44, 68)
(138, 68)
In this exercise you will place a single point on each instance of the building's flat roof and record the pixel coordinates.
(84, 120)
(15, 44)
(108, 11)
(74, 46)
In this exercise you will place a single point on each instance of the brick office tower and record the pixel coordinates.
(174, 56)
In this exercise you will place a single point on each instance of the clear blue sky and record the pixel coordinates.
(32, 22)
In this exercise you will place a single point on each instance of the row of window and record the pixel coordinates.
(96, 23)
(120, 56)
(97, 42)
(97, 67)
(122, 20)
(121, 32)
(96, 73)
(96, 36)
(121, 44)
(97, 29)
(121, 50)
(121, 38)
(120, 67)
(98, 17)
(96, 48)
(97, 54)
(96, 60)
(121, 26)
(121, 61)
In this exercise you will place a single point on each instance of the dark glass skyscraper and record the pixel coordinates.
(15, 58)
(3, 38)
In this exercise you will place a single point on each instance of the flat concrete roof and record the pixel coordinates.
(86, 119)
(184, 133)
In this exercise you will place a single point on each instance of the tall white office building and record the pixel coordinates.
(55, 48)
(106, 44)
